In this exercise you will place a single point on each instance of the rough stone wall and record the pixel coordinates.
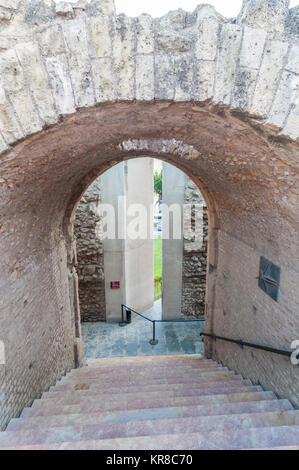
(90, 255)
(216, 97)
(56, 59)
(194, 257)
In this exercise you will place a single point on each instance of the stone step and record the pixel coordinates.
(86, 387)
(70, 398)
(188, 425)
(151, 413)
(206, 396)
(115, 382)
(89, 388)
(146, 359)
(195, 364)
(143, 371)
(139, 392)
(261, 438)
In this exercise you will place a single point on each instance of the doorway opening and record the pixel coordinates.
(136, 231)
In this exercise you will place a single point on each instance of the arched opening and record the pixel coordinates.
(247, 177)
(150, 257)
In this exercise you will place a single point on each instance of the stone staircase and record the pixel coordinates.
(164, 402)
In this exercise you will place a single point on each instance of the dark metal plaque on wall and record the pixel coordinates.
(269, 278)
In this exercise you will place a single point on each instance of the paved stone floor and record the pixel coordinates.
(108, 339)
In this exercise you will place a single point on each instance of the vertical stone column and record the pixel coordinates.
(184, 261)
(173, 186)
(139, 253)
(128, 260)
(113, 192)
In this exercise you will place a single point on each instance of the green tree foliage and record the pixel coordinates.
(158, 183)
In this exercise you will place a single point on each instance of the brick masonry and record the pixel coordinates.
(83, 89)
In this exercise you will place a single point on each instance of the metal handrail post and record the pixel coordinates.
(122, 322)
(154, 341)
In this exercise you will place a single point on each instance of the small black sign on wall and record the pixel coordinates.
(269, 278)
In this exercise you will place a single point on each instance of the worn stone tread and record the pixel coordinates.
(151, 413)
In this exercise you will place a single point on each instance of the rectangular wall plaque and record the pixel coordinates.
(115, 284)
(269, 278)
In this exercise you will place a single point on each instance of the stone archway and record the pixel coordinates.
(192, 89)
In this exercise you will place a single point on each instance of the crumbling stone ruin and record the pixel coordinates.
(90, 255)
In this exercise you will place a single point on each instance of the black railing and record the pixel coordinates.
(153, 340)
(241, 343)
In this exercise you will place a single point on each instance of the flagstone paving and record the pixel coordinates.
(102, 339)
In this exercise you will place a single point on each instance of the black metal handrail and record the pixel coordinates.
(242, 343)
(153, 341)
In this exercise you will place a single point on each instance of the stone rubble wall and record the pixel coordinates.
(90, 255)
(195, 257)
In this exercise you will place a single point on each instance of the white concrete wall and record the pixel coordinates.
(173, 186)
(126, 260)
(112, 183)
(139, 254)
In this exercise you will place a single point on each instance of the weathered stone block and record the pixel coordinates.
(175, 19)
(99, 37)
(244, 88)
(291, 127)
(124, 56)
(13, 4)
(293, 59)
(64, 9)
(228, 52)
(78, 56)
(184, 74)
(273, 61)
(5, 15)
(145, 77)
(205, 11)
(6, 43)
(11, 73)
(267, 14)
(285, 96)
(8, 123)
(60, 83)
(38, 12)
(3, 144)
(145, 34)
(174, 41)
(81, 5)
(205, 80)
(51, 40)
(103, 79)
(164, 77)
(26, 112)
(252, 47)
(206, 44)
(292, 22)
(103, 7)
(29, 56)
